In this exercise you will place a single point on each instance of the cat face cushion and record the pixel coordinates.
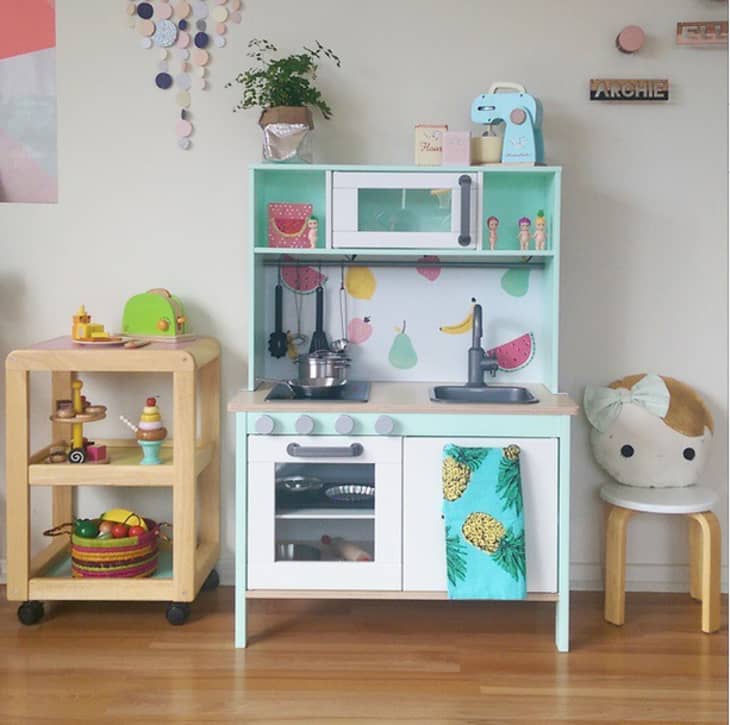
(649, 430)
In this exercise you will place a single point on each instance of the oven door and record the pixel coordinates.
(324, 513)
(405, 210)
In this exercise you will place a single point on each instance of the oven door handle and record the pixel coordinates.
(352, 451)
(465, 186)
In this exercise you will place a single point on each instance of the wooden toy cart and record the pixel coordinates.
(190, 465)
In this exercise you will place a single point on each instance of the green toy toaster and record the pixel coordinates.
(155, 313)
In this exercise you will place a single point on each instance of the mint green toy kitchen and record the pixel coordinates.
(341, 497)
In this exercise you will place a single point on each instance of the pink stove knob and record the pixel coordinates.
(264, 424)
(304, 425)
(384, 425)
(344, 425)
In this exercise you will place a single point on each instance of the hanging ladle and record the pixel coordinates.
(342, 344)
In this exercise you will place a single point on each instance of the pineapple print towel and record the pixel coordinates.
(485, 529)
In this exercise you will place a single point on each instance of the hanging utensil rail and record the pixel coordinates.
(402, 263)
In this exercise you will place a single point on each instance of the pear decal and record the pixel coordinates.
(402, 354)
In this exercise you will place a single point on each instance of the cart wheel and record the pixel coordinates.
(77, 455)
(30, 612)
(211, 582)
(177, 612)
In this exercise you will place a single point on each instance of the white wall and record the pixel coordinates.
(644, 218)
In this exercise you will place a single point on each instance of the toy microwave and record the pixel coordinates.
(155, 314)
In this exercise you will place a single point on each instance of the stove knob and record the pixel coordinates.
(264, 424)
(304, 425)
(344, 425)
(384, 425)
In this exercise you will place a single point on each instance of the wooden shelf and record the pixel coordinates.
(57, 583)
(326, 513)
(480, 254)
(123, 468)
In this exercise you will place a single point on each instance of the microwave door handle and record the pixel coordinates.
(352, 451)
(465, 191)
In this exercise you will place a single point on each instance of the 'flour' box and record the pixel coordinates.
(429, 144)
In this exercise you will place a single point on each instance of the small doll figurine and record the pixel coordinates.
(524, 235)
(649, 430)
(540, 235)
(312, 231)
(492, 224)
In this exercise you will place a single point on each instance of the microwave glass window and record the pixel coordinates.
(325, 512)
(404, 210)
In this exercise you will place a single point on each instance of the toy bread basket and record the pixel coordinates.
(127, 557)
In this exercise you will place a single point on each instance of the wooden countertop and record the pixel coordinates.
(404, 398)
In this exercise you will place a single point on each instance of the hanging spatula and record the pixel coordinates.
(277, 339)
(319, 338)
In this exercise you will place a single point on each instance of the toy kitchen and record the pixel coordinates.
(403, 352)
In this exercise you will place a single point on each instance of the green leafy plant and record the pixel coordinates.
(284, 81)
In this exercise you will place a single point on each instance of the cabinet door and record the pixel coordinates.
(405, 210)
(424, 546)
(302, 489)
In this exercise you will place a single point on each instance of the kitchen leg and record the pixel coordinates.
(562, 607)
(241, 529)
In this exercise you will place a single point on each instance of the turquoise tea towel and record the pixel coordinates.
(485, 523)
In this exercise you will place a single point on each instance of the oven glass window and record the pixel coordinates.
(325, 512)
(404, 210)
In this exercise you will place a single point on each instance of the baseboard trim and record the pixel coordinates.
(583, 576)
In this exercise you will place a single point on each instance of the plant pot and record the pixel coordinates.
(287, 133)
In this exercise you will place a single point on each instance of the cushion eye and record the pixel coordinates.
(689, 453)
(627, 451)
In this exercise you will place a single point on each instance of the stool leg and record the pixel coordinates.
(615, 595)
(695, 559)
(710, 545)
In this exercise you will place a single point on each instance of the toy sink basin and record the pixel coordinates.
(155, 313)
(502, 394)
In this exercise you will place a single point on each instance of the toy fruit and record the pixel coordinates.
(136, 531)
(86, 528)
(120, 531)
(105, 527)
(124, 516)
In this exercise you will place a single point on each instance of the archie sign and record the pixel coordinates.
(629, 89)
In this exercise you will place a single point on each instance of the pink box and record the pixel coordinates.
(457, 149)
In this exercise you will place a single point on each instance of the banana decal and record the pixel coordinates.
(461, 327)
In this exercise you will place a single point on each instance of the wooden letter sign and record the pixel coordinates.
(704, 32)
(629, 89)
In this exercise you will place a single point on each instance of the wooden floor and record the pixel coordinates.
(356, 662)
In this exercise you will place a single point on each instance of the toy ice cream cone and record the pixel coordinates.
(150, 432)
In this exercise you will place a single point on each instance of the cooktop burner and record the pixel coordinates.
(354, 391)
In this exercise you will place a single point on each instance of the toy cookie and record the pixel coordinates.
(649, 430)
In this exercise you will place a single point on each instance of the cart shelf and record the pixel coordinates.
(123, 468)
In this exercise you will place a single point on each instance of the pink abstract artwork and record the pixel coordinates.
(28, 158)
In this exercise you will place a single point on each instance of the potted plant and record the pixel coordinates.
(284, 90)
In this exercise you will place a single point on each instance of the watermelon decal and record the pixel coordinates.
(301, 279)
(515, 354)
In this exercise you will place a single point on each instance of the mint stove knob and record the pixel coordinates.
(344, 425)
(384, 425)
(304, 425)
(264, 424)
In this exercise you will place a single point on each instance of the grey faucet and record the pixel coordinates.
(479, 361)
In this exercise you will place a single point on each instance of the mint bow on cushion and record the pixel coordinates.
(603, 405)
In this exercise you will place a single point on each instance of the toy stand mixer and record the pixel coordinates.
(522, 117)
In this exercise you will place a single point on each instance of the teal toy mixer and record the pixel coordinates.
(522, 117)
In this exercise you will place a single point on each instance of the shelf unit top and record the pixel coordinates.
(488, 168)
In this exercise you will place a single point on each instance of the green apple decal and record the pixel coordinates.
(402, 353)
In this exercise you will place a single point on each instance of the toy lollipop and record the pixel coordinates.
(150, 432)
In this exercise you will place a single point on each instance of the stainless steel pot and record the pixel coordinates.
(323, 365)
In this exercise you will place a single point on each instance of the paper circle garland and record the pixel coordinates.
(181, 25)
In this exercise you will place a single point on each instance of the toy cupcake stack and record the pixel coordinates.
(150, 432)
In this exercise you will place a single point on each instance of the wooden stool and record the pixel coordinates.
(704, 543)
